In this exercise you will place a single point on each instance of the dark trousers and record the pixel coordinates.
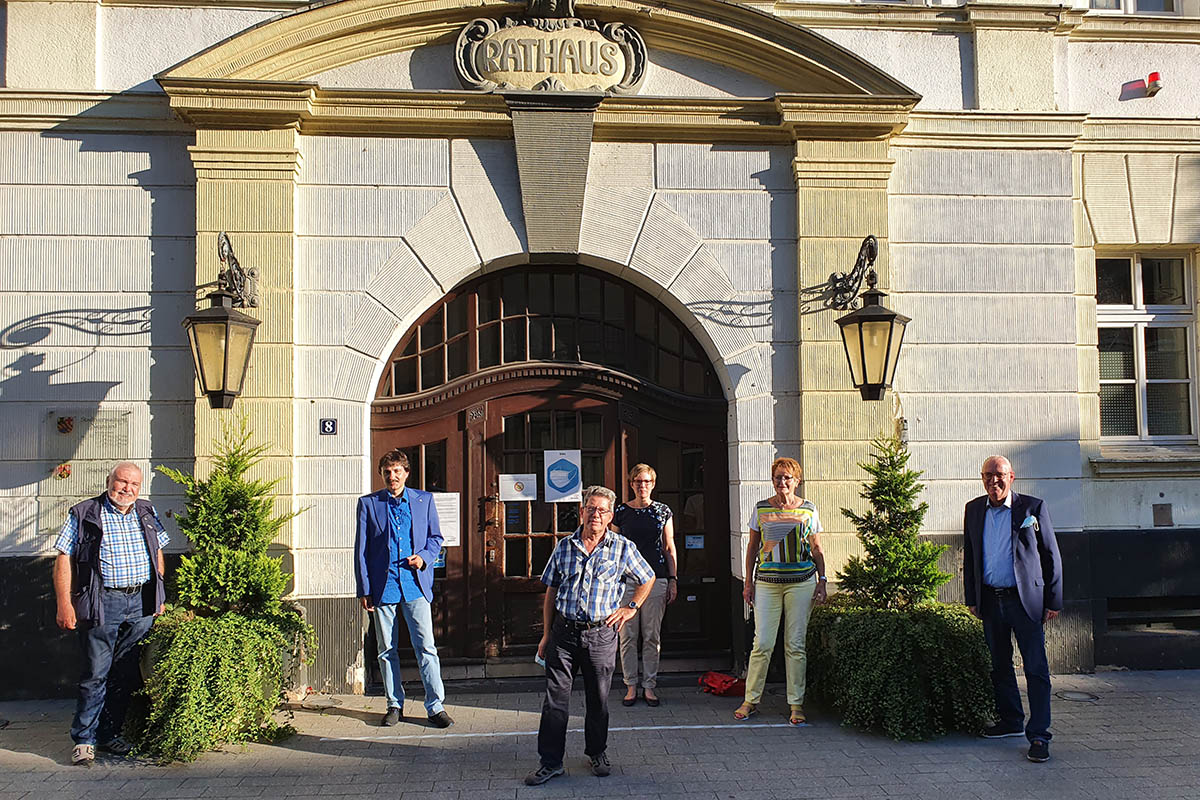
(110, 667)
(592, 651)
(1003, 619)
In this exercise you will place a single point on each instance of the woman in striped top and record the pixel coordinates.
(785, 575)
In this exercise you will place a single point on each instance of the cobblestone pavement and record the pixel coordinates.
(1136, 739)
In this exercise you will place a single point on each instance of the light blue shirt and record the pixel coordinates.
(998, 568)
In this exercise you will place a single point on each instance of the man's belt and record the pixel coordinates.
(1002, 591)
(576, 624)
(125, 589)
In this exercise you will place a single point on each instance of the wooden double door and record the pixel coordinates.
(488, 596)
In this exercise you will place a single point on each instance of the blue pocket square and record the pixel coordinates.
(1030, 522)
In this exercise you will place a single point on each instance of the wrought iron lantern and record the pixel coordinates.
(222, 337)
(872, 335)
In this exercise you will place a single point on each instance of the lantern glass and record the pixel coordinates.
(208, 350)
(852, 341)
(237, 356)
(897, 335)
(875, 351)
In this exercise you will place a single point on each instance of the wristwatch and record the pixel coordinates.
(632, 605)
(822, 578)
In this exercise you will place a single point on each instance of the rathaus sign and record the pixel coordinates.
(550, 49)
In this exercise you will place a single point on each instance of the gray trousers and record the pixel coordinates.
(646, 624)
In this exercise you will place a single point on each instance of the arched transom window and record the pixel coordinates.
(564, 314)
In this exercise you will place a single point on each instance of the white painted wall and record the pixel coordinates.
(1098, 74)
(97, 243)
(940, 68)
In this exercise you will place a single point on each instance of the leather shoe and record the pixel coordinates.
(1039, 751)
(392, 717)
(441, 720)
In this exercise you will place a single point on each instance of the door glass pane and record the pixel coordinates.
(404, 375)
(435, 467)
(539, 294)
(514, 340)
(489, 346)
(514, 463)
(514, 432)
(614, 302)
(669, 369)
(1162, 282)
(693, 377)
(541, 517)
(431, 331)
(432, 369)
(1168, 409)
(593, 470)
(643, 318)
(456, 316)
(488, 299)
(591, 345)
(543, 546)
(410, 349)
(539, 431)
(516, 516)
(1116, 354)
(1118, 410)
(539, 338)
(1114, 285)
(568, 517)
(667, 466)
(565, 346)
(456, 358)
(564, 295)
(1166, 353)
(614, 347)
(592, 431)
(513, 289)
(566, 431)
(669, 335)
(591, 300)
(515, 558)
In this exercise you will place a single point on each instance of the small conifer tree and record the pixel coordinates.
(899, 568)
(219, 652)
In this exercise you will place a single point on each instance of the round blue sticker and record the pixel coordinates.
(562, 475)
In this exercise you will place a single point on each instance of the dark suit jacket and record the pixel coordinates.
(371, 553)
(1035, 555)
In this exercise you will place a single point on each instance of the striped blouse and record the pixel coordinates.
(790, 559)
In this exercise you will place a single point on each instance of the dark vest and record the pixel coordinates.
(86, 584)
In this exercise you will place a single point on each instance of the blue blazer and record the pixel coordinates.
(371, 554)
(1036, 561)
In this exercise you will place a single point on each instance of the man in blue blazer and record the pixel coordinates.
(396, 543)
(1012, 577)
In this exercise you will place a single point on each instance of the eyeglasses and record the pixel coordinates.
(782, 479)
(596, 510)
(990, 475)
(642, 481)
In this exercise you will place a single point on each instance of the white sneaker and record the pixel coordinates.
(83, 755)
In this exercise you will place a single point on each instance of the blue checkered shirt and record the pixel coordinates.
(590, 586)
(124, 560)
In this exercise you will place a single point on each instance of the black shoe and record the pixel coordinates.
(651, 701)
(629, 701)
(543, 774)
(1002, 731)
(601, 767)
(441, 720)
(117, 746)
(392, 717)
(1039, 751)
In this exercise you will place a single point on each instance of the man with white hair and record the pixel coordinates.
(1012, 579)
(108, 584)
(582, 612)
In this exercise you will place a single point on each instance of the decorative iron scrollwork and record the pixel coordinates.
(241, 283)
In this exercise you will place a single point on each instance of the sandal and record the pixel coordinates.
(745, 711)
(797, 716)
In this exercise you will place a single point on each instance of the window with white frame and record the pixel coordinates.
(1135, 6)
(1145, 310)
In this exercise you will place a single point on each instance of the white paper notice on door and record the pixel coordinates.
(563, 476)
(448, 516)
(518, 487)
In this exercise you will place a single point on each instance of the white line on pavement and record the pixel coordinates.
(409, 737)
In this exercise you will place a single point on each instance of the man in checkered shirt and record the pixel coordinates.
(581, 615)
(108, 583)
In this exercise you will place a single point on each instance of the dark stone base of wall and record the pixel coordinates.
(340, 624)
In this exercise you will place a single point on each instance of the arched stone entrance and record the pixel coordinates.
(552, 358)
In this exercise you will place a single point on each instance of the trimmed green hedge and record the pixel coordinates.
(914, 673)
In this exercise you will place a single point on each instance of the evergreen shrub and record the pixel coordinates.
(883, 653)
(218, 656)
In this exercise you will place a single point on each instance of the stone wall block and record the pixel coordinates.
(1030, 417)
(374, 325)
(1106, 195)
(723, 166)
(348, 441)
(736, 214)
(757, 265)
(368, 161)
(440, 239)
(1185, 225)
(362, 211)
(612, 221)
(1152, 191)
(340, 263)
(984, 220)
(1006, 368)
(1024, 173)
(975, 269)
(324, 573)
(666, 244)
(1032, 319)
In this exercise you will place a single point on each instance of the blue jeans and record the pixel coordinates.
(1004, 618)
(110, 667)
(418, 617)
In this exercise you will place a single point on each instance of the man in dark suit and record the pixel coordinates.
(1012, 577)
(397, 541)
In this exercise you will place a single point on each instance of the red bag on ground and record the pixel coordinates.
(722, 685)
